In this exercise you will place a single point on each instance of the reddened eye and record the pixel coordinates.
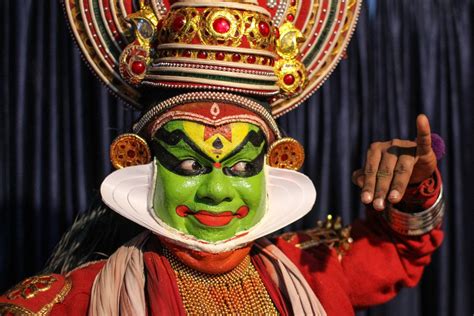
(245, 168)
(239, 167)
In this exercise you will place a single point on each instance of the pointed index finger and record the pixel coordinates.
(423, 135)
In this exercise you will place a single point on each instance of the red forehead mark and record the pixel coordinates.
(217, 165)
(224, 130)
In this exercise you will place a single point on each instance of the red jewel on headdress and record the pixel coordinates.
(202, 54)
(220, 56)
(235, 57)
(290, 17)
(251, 59)
(288, 79)
(186, 53)
(178, 22)
(138, 67)
(264, 28)
(221, 25)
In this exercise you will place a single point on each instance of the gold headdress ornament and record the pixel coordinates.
(280, 51)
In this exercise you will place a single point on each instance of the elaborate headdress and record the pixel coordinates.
(277, 50)
(226, 61)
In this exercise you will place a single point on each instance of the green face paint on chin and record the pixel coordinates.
(199, 196)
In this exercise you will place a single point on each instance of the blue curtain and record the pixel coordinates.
(406, 57)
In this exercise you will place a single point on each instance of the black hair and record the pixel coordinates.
(94, 235)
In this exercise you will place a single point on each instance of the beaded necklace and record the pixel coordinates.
(237, 292)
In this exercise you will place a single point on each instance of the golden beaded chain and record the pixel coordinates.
(237, 292)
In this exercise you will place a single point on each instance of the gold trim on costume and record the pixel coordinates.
(45, 310)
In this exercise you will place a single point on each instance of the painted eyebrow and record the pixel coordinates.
(174, 137)
(171, 162)
(255, 138)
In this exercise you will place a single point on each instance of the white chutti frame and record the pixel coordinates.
(129, 191)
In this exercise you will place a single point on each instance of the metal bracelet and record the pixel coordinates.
(416, 224)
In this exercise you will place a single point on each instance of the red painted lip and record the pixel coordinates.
(213, 219)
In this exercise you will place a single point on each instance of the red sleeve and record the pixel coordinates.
(380, 261)
(35, 295)
(52, 294)
(77, 300)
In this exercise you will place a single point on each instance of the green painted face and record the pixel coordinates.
(210, 181)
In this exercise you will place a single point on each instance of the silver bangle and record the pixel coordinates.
(416, 224)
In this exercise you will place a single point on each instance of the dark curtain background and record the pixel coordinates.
(407, 57)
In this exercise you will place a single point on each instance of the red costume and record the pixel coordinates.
(271, 55)
(378, 264)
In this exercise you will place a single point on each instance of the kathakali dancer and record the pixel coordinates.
(208, 174)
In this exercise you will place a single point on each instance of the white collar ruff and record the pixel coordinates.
(129, 192)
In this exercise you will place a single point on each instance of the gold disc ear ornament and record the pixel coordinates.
(286, 153)
(129, 150)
